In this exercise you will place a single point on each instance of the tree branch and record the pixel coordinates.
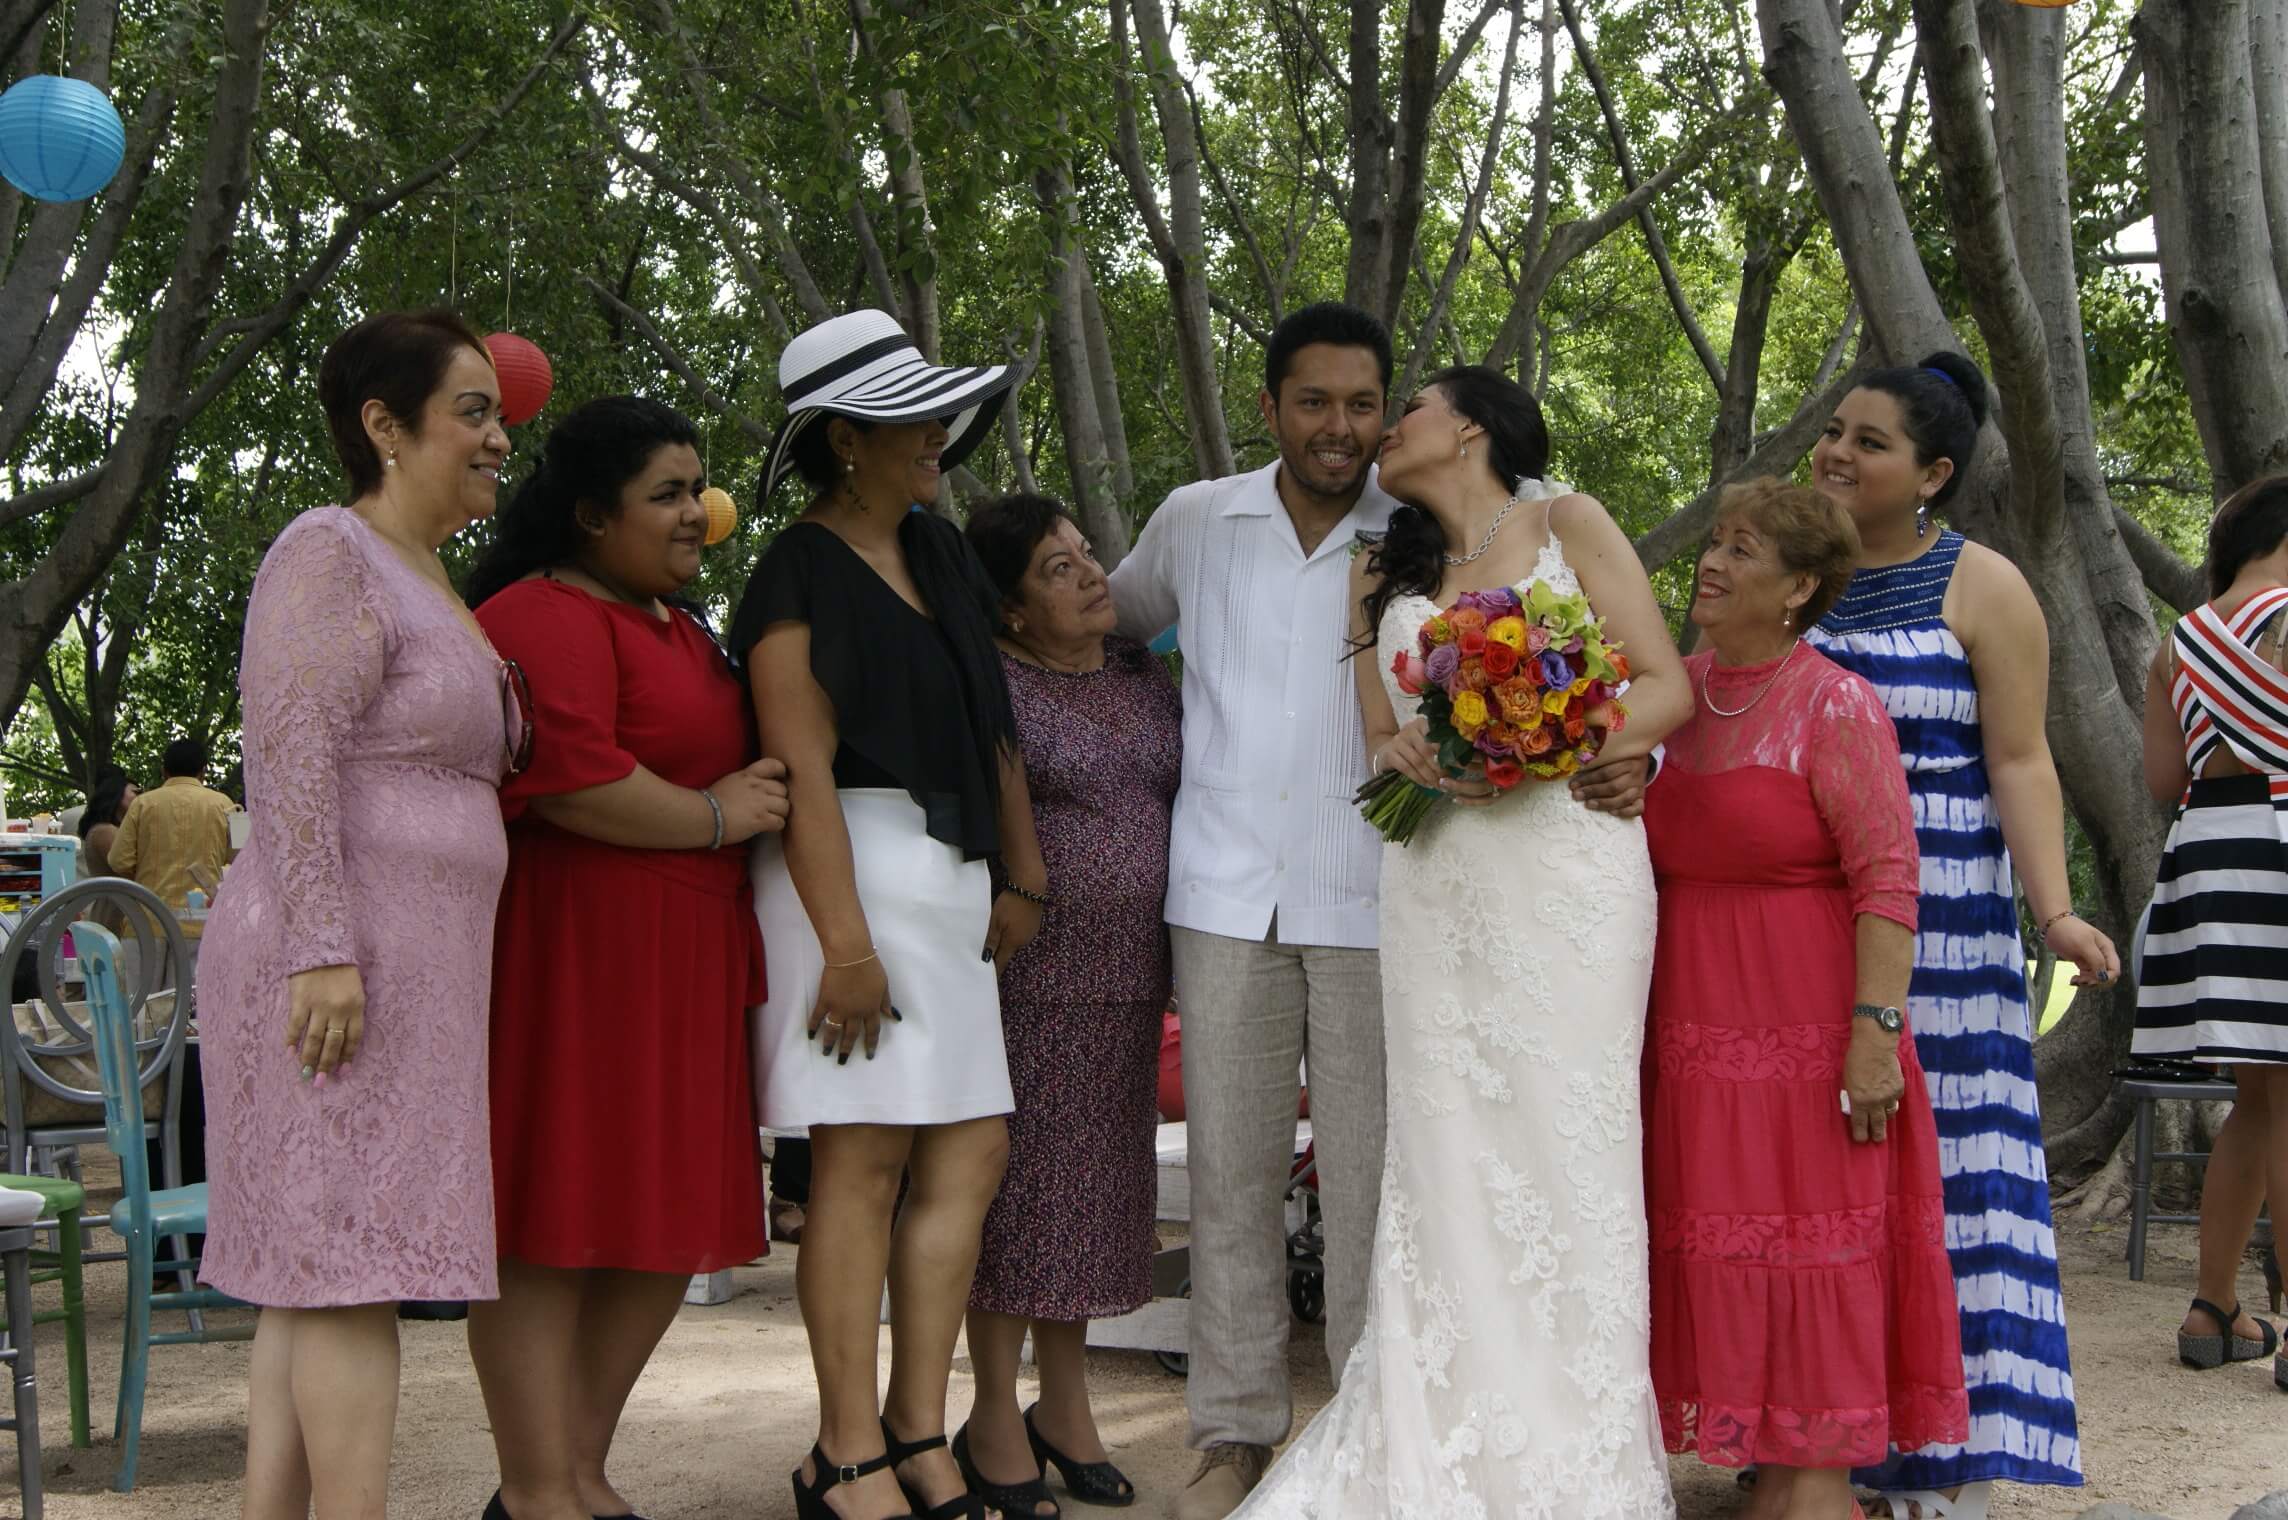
(1777, 454)
(675, 359)
(56, 493)
(1626, 161)
(360, 215)
(2182, 586)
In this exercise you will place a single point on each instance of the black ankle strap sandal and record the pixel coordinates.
(810, 1499)
(962, 1506)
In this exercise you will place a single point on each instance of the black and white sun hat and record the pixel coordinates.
(862, 364)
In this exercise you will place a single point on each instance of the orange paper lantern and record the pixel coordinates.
(722, 513)
(525, 377)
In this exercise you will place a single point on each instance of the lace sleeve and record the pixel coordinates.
(314, 659)
(1860, 789)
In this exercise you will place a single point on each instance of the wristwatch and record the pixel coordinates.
(1889, 1020)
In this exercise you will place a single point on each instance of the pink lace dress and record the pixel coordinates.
(374, 749)
(1802, 1303)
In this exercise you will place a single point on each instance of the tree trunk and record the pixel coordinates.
(2268, 73)
(916, 268)
(43, 600)
(1179, 239)
(1106, 378)
(2094, 712)
(1370, 160)
(2210, 222)
(1087, 455)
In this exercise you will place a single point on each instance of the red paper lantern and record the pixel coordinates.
(525, 377)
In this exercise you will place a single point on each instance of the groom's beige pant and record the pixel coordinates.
(1253, 1010)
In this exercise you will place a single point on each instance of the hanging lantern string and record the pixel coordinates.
(453, 248)
(508, 292)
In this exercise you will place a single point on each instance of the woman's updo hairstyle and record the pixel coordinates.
(1410, 559)
(1007, 531)
(813, 452)
(1943, 402)
(2251, 524)
(397, 358)
(590, 456)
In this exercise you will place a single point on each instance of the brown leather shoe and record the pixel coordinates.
(1228, 1471)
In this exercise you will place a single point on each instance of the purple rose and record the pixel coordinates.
(1556, 670)
(1501, 601)
(1444, 661)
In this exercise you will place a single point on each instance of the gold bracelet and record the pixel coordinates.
(2052, 922)
(846, 965)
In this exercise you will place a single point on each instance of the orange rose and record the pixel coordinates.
(1520, 704)
(1467, 620)
(1472, 641)
(1501, 660)
(1620, 666)
(1537, 741)
(1472, 675)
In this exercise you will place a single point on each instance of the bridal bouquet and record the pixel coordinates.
(1508, 685)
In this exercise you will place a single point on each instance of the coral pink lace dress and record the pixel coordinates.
(1802, 1304)
(375, 743)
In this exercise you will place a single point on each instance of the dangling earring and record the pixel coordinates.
(1462, 452)
(391, 461)
(1922, 517)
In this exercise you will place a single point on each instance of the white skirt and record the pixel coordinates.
(927, 909)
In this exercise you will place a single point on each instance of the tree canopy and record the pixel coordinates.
(1686, 224)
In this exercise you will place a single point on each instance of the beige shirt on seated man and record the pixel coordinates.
(168, 831)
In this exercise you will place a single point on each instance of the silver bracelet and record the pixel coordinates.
(717, 809)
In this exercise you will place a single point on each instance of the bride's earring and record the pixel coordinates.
(1462, 451)
(1922, 517)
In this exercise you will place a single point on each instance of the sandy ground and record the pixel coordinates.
(726, 1410)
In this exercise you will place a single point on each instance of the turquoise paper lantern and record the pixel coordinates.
(60, 139)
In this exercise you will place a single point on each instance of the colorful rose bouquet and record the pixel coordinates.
(1511, 686)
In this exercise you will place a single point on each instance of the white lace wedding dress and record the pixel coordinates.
(1503, 1370)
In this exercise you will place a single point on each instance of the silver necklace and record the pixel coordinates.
(1734, 712)
(1488, 541)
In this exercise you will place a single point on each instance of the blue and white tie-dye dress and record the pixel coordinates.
(1972, 1027)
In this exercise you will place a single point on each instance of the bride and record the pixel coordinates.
(1503, 1371)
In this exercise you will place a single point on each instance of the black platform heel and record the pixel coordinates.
(2203, 1352)
(1089, 1482)
(1016, 1501)
(962, 1506)
(810, 1502)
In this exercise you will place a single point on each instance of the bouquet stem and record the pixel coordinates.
(1395, 805)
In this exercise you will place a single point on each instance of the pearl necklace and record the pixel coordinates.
(1488, 541)
(1734, 712)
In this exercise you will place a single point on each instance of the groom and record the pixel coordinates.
(1272, 875)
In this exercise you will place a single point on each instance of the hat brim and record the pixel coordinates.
(970, 405)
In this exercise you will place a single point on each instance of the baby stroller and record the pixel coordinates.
(1306, 1247)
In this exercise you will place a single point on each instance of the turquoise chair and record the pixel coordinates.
(141, 1217)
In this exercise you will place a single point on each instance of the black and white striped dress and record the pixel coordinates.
(2215, 975)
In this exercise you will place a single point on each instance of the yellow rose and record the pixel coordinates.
(1508, 630)
(1469, 714)
(1578, 688)
(1556, 699)
(1439, 631)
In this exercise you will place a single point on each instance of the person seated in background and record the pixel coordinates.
(98, 822)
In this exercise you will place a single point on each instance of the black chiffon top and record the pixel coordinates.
(920, 703)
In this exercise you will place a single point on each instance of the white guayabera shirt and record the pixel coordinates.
(1273, 744)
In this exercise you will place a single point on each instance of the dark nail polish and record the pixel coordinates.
(988, 955)
(845, 1060)
(899, 1017)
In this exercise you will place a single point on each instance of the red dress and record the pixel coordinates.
(622, 1110)
(1802, 1305)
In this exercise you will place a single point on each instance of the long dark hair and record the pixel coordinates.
(597, 449)
(2248, 526)
(106, 800)
(1943, 402)
(1410, 558)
